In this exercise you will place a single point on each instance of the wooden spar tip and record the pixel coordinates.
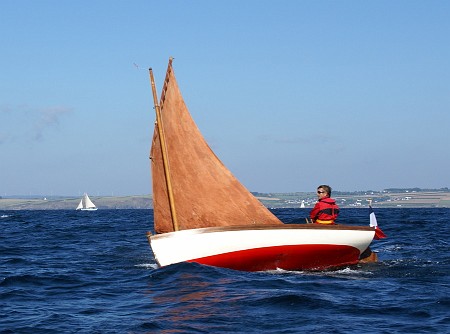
(149, 235)
(166, 81)
(169, 66)
(170, 63)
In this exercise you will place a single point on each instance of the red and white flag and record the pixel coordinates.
(379, 234)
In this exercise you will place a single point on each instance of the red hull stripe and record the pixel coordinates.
(296, 257)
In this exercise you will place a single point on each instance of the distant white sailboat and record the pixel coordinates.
(86, 204)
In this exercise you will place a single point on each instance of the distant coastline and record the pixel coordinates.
(389, 198)
(70, 203)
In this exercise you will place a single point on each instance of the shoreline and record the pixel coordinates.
(418, 199)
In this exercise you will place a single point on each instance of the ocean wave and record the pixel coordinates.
(62, 273)
(147, 265)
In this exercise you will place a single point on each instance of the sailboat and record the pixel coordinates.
(86, 204)
(203, 214)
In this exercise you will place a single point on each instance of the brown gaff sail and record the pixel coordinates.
(204, 193)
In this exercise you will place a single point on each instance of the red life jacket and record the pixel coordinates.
(325, 211)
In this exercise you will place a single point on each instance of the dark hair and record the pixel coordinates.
(326, 188)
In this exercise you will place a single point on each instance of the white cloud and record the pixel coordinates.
(23, 122)
(47, 118)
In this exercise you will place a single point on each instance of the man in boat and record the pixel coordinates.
(325, 211)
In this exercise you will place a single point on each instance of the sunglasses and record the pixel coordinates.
(321, 192)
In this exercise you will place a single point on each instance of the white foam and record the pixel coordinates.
(147, 265)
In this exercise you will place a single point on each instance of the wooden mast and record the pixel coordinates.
(162, 141)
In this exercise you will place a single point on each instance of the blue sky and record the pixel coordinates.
(289, 94)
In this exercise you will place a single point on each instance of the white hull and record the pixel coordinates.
(290, 247)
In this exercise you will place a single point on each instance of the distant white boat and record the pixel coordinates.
(86, 204)
(303, 204)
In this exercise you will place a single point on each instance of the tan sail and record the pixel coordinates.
(205, 193)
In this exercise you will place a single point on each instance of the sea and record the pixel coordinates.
(94, 272)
